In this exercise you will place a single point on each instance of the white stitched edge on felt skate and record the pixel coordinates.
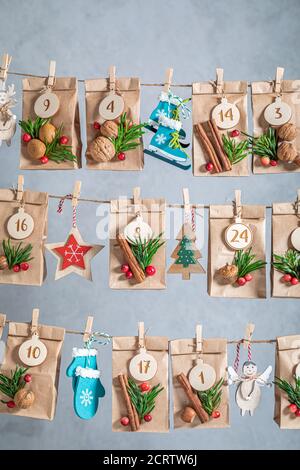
(165, 97)
(76, 352)
(87, 373)
(171, 123)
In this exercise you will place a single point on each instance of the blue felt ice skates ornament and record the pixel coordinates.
(83, 369)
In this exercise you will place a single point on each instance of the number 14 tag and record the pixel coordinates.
(225, 114)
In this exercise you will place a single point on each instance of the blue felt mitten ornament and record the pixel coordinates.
(88, 390)
(82, 357)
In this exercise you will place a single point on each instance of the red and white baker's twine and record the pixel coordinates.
(60, 209)
(237, 355)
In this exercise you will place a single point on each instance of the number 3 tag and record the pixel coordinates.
(143, 366)
(46, 105)
(111, 107)
(278, 113)
(202, 376)
(33, 352)
(238, 236)
(20, 225)
(226, 115)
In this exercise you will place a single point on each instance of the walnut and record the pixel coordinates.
(47, 133)
(228, 273)
(36, 148)
(109, 129)
(287, 132)
(24, 398)
(101, 149)
(286, 152)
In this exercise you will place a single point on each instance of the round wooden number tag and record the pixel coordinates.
(33, 352)
(143, 366)
(297, 371)
(238, 236)
(46, 105)
(138, 229)
(226, 114)
(111, 107)
(278, 113)
(20, 225)
(295, 239)
(202, 376)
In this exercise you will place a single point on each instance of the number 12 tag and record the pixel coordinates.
(238, 236)
(46, 105)
(143, 366)
(33, 352)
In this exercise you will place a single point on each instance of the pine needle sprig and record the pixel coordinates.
(235, 151)
(144, 402)
(265, 145)
(59, 153)
(293, 392)
(211, 398)
(144, 250)
(129, 135)
(33, 127)
(244, 260)
(16, 254)
(9, 386)
(289, 263)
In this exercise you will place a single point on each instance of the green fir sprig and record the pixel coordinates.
(211, 398)
(144, 250)
(129, 135)
(16, 254)
(235, 151)
(265, 145)
(144, 402)
(33, 127)
(244, 260)
(293, 392)
(289, 263)
(9, 386)
(59, 153)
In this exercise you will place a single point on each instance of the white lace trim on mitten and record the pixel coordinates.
(171, 123)
(87, 373)
(165, 97)
(76, 352)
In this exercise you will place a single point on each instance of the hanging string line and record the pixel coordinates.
(74, 209)
(93, 339)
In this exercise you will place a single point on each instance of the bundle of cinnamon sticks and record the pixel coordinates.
(193, 398)
(212, 143)
(134, 420)
(137, 271)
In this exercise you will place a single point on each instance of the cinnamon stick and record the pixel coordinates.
(135, 414)
(218, 145)
(129, 405)
(201, 413)
(137, 271)
(208, 148)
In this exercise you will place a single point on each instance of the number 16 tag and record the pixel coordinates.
(33, 352)
(143, 366)
(46, 105)
(238, 236)
(20, 225)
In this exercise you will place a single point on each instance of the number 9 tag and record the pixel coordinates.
(202, 376)
(33, 352)
(225, 114)
(111, 107)
(46, 105)
(238, 236)
(143, 366)
(20, 225)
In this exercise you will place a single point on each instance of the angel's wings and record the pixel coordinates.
(262, 379)
(232, 376)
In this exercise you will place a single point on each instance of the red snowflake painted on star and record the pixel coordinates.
(72, 253)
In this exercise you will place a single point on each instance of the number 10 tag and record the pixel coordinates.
(225, 114)
(20, 225)
(33, 352)
(143, 366)
(238, 236)
(46, 105)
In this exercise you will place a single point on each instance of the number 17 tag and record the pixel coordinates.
(143, 366)
(46, 105)
(33, 352)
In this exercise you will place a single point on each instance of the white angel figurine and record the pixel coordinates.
(248, 386)
(7, 118)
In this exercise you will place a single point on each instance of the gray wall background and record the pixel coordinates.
(248, 39)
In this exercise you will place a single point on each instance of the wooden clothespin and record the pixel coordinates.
(168, 79)
(76, 193)
(2, 324)
(20, 188)
(51, 73)
(219, 80)
(248, 334)
(278, 80)
(5, 63)
(237, 205)
(186, 200)
(141, 334)
(112, 78)
(137, 199)
(298, 202)
(88, 329)
(35, 320)
(199, 343)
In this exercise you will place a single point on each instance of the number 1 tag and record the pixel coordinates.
(111, 107)
(238, 236)
(202, 376)
(33, 352)
(143, 366)
(225, 114)
(46, 105)
(20, 225)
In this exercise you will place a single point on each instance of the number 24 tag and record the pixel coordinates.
(238, 236)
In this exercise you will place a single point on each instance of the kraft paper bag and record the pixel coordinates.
(95, 91)
(36, 205)
(122, 212)
(45, 377)
(183, 357)
(285, 219)
(124, 349)
(67, 115)
(205, 97)
(262, 94)
(287, 358)
(220, 217)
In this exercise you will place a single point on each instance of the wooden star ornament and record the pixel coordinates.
(73, 255)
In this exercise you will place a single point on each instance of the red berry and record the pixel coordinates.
(121, 156)
(125, 268)
(96, 125)
(241, 281)
(44, 159)
(150, 270)
(24, 266)
(297, 412)
(26, 137)
(265, 161)
(294, 281)
(248, 277)
(10, 404)
(27, 378)
(148, 418)
(209, 166)
(273, 162)
(216, 414)
(16, 268)
(235, 133)
(286, 278)
(145, 387)
(124, 421)
(63, 140)
(293, 408)
(129, 274)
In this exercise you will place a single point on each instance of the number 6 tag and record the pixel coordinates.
(33, 352)
(143, 366)
(238, 236)
(20, 225)
(46, 105)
